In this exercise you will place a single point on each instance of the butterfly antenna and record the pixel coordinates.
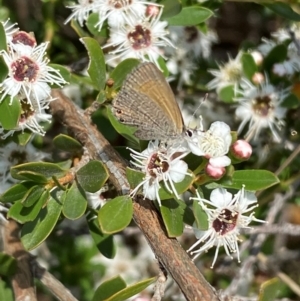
(201, 102)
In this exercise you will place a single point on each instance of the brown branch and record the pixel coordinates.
(54, 286)
(22, 280)
(167, 250)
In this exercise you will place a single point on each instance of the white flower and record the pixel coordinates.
(159, 164)
(225, 220)
(30, 119)
(230, 73)
(260, 106)
(29, 74)
(213, 144)
(139, 39)
(120, 12)
(82, 10)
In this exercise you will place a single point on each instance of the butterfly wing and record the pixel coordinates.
(147, 101)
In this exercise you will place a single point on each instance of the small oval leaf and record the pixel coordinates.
(67, 143)
(109, 288)
(172, 212)
(96, 68)
(75, 202)
(252, 179)
(116, 214)
(45, 169)
(190, 16)
(10, 113)
(92, 176)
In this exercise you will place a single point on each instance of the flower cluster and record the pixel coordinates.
(135, 29)
(262, 92)
(28, 80)
(163, 163)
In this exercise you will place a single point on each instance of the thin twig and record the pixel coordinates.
(292, 156)
(56, 288)
(160, 285)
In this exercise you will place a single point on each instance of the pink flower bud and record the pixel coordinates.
(258, 78)
(241, 150)
(214, 172)
(152, 11)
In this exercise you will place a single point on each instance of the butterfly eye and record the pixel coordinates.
(119, 111)
(189, 133)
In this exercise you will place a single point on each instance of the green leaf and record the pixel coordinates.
(112, 290)
(249, 66)
(75, 202)
(35, 232)
(8, 265)
(269, 289)
(96, 68)
(67, 143)
(27, 214)
(104, 242)
(190, 16)
(122, 70)
(32, 196)
(10, 113)
(227, 94)
(16, 192)
(171, 8)
(283, 10)
(200, 216)
(116, 214)
(109, 288)
(172, 212)
(92, 176)
(3, 69)
(45, 169)
(124, 130)
(3, 45)
(252, 179)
